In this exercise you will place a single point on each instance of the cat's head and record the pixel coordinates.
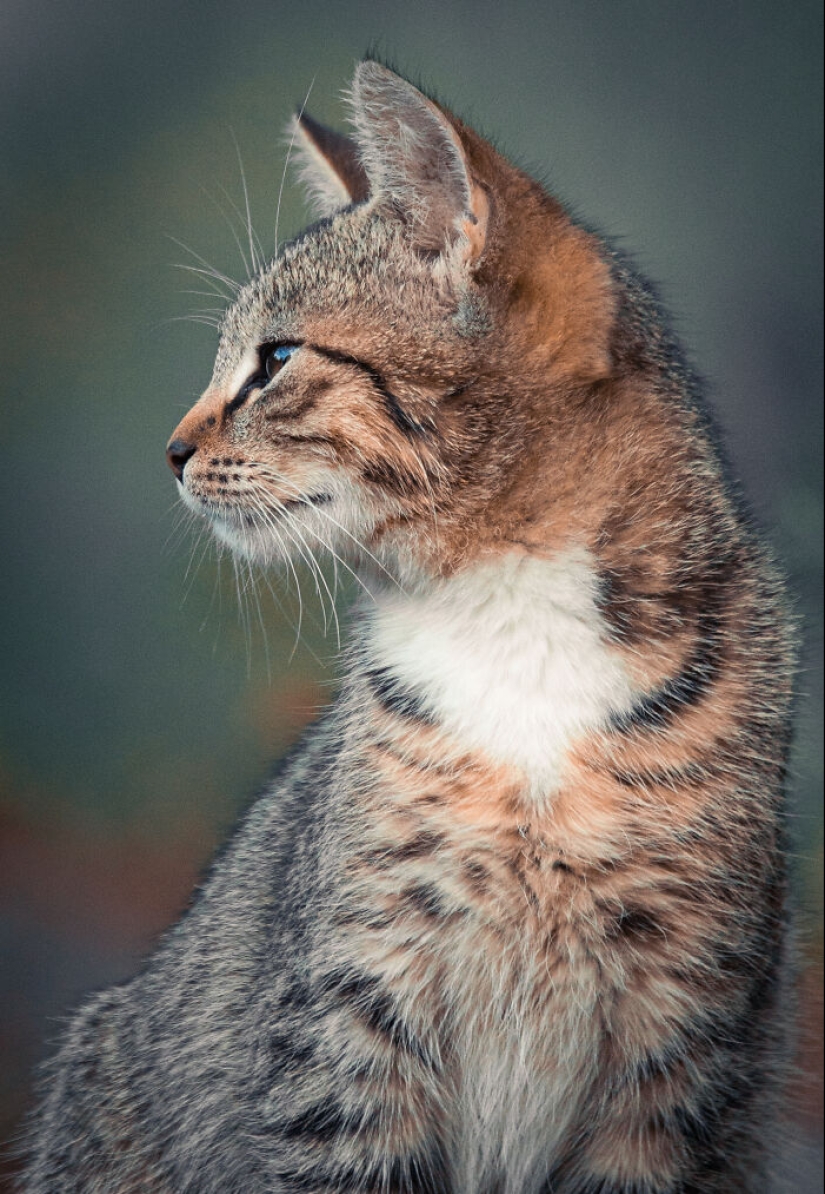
(391, 378)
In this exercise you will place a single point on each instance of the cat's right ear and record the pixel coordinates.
(328, 166)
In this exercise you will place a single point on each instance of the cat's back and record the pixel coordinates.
(169, 1063)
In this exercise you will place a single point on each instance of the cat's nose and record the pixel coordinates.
(177, 454)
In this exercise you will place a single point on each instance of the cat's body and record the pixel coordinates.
(512, 919)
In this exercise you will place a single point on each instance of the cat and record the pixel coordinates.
(511, 919)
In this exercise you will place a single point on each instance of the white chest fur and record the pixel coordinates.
(511, 656)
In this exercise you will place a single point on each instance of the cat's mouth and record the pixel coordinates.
(253, 532)
(238, 516)
(280, 508)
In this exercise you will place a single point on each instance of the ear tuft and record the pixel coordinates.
(417, 164)
(328, 165)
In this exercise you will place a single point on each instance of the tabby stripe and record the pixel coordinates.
(398, 481)
(288, 413)
(386, 858)
(284, 1051)
(380, 1016)
(634, 924)
(655, 1066)
(419, 846)
(324, 441)
(375, 1008)
(426, 898)
(690, 775)
(659, 708)
(323, 1122)
(400, 417)
(397, 698)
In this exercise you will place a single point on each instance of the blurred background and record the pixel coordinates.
(140, 707)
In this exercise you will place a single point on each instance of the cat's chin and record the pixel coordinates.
(248, 542)
(237, 530)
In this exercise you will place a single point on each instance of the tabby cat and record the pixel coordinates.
(511, 919)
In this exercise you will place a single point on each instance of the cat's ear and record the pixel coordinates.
(417, 164)
(328, 165)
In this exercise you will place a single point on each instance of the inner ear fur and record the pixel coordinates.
(329, 165)
(417, 164)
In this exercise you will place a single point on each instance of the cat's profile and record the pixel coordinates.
(511, 919)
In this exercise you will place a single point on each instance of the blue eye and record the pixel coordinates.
(277, 357)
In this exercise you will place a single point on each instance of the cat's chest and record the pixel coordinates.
(522, 1070)
(474, 693)
(522, 1030)
(485, 943)
(511, 659)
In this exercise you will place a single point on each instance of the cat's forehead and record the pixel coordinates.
(346, 264)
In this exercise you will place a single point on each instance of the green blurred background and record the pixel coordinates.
(138, 708)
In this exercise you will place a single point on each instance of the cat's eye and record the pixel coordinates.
(275, 358)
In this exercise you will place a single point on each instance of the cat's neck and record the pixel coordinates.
(510, 656)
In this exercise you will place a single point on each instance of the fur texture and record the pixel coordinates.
(511, 920)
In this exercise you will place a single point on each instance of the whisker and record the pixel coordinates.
(240, 605)
(215, 589)
(244, 572)
(247, 263)
(258, 508)
(207, 268)
(292, 531)
(184, 521)
(286, 161)
(252, 252)
(207, 320)
(271, 502)
(267, 470)
(191, 573)
(290, 525)
(254, 590)
(271, 515)
(216, 312)
(288, 618)
(205, 294)
(309, 561)
(207, 277)
(285, 554)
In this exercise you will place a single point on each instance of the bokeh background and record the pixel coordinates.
(140, 710)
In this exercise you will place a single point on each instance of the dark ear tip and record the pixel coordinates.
(305, 122)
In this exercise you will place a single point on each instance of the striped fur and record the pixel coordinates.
(511, 919)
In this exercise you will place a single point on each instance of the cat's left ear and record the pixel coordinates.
(417, 164)
(328, 165)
